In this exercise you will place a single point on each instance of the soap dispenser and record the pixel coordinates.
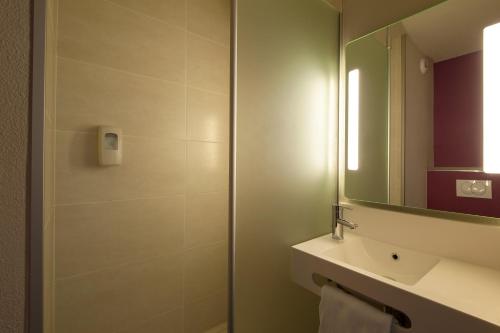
(110, 146)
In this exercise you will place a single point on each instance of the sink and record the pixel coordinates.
(387, 260)
(426, 287)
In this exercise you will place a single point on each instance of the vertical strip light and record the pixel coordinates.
(353, 120)
(491, 99)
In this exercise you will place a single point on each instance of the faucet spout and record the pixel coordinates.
(348, 224)
(338, 222)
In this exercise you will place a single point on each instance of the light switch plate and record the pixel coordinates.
(474, 188)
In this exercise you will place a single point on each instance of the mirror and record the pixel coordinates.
(423, 111)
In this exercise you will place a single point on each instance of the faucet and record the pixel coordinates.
(338, 222)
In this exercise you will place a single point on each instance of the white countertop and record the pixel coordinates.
(462, 286)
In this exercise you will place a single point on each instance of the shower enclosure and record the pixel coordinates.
(226, 119)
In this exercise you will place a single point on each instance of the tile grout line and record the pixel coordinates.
(181, 252)
(143, 14)
(208, 39)
(150, 319)
(156, 138)
(173, 82)
(208, 295)
(172, 25)
(120, 265)
(83, 203)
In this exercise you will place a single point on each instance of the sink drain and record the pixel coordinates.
(395, 256)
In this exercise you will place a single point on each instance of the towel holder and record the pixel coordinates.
(402, 323)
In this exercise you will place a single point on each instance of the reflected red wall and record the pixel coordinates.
(458, 111)
(458, 130)
(441, 195)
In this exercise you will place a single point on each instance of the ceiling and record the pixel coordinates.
(452, 28)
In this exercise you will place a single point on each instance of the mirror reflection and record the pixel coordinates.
(423, 111)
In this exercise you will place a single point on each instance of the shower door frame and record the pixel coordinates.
(35, 208)
(232, 164)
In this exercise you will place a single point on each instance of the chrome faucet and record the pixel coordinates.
(338, 222)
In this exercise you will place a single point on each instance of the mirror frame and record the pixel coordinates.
(342, 153)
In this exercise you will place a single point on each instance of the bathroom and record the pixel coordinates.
(209, 166)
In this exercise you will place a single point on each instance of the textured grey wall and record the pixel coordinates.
(15, 21)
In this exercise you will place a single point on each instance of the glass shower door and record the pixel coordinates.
(286, 74)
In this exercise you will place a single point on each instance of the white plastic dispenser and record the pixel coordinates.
(110, 143)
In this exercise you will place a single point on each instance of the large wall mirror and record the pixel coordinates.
(423, 111)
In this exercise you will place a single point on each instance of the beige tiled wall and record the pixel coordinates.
(142, 247)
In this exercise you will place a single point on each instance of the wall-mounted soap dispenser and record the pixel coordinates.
(110, 146)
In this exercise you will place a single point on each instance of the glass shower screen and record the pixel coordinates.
(286, 61)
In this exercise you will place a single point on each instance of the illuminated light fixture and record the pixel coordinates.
(491, 99)
(353, 120)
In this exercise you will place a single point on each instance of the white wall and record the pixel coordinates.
(418, 127)
(364, 16)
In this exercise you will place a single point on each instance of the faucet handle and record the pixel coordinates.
(339, 210)
(338, 222)
(340, 207)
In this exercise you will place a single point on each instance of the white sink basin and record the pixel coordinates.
(390, 261)
(446, 287)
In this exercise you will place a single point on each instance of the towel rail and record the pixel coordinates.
(402, 323)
